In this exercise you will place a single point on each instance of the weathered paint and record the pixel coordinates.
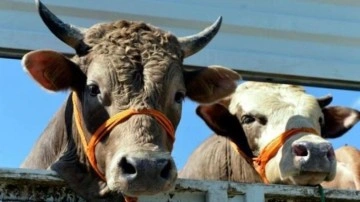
(44, 185)
(33, 185)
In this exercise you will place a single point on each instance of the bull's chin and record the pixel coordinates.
(135, 190)
(306, 178)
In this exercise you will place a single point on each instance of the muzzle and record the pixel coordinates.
(270, 150)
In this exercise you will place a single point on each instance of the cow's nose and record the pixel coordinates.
(307, 149)
(141, 172)
(132, 167)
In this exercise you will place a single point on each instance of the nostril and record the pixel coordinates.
(300, 150)
(165, 172)
(126, 167)
(330, 154)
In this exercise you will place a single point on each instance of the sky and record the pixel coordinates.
(26, 109)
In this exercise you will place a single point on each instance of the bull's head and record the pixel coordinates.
(130, 70)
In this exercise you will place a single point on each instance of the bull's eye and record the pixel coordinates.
(93, 89)
(179, 97)
(246, 119)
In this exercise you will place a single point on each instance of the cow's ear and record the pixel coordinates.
(50, 69)
(207, 85)
(219, 119)
(338, 120)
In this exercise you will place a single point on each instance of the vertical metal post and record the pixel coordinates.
(216, 195)
(254, 193)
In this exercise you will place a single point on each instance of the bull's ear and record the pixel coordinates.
(338, 120)
(50, 69)
(208, 85)
(219, 119)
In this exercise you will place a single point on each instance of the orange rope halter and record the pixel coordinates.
(109, 124)
(271, 149)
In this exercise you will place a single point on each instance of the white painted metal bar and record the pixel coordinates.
(33, 185)
(288, 41)
(38, 185)
(216, 195)
(255, 193)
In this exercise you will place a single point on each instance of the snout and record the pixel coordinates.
(313, 157)
(142, 173)
(133, 168)
(315, 161)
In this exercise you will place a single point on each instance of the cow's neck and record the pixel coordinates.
(59, 149)
(73, 166)
(242, 171)
(50, 144)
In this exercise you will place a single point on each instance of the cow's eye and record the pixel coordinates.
(93, 89)
(179, 97)
(246, 119)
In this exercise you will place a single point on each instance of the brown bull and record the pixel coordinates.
(259, 114)
(114, 135)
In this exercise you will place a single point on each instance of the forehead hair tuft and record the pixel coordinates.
(130, 40)
(258, 87)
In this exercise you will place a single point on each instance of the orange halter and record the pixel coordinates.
(271, 149)
(109, 124)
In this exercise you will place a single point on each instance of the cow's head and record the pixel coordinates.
(258, 113)
(129, 65)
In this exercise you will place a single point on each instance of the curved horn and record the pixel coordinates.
(325, 100)
(192, 44)
(69, 34)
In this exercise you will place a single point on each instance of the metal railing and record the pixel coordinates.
(44, 185)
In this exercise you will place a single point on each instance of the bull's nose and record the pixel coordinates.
(141, 172)
(132, 167)
(308, 149)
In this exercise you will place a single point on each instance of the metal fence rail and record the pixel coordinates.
(44, 185)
